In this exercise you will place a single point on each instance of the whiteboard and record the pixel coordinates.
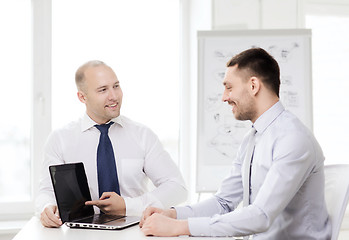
(218, 133)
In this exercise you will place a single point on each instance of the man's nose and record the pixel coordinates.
(112, 94)
(225, 96)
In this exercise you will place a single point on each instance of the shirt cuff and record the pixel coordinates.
(199, 226)
(42, 202)
(134, 206)
(183, 212)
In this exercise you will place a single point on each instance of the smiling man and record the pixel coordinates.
(278, 173)
(117, 172)
(99, 89)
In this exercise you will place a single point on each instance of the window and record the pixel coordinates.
(142, 47)
(139, 40)
(15, 101)
(330, 84)
(140, 43)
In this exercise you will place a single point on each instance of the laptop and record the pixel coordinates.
(71, 190)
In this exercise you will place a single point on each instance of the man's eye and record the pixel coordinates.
(102, 90)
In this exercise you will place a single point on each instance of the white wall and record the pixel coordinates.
(254, 14)
(196, 16)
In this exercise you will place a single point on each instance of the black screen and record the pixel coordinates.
(71, 190)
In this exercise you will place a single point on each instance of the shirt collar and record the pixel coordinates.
(87, 122)
(268, 117)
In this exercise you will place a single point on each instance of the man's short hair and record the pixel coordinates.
(257, 62)
(80, 73)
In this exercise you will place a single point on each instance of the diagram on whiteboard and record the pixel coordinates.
(227, 138)
(224, 134)
(219, 133)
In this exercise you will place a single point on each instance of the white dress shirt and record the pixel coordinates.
(139, 156)
(287, 187)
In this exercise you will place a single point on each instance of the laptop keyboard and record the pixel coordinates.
(99, 218)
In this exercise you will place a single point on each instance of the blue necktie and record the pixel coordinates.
(106, 167)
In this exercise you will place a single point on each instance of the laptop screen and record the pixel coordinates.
(71, 190)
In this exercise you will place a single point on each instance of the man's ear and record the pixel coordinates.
(81, 97)
(255, 85)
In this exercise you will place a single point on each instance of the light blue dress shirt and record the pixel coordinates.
(287, 187)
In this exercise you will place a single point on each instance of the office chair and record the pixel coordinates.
(336, 194)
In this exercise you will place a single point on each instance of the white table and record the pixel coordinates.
(34, 230)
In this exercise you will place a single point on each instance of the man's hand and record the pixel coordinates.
(164, 226)
(50, 217)
(171, 213)
(110, 203)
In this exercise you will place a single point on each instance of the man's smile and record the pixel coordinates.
(114, 105)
